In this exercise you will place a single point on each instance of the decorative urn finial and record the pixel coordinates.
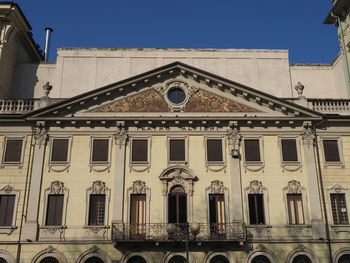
(299, 88)
(47, 88)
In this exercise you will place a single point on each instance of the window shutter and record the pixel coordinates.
(289, 150)
(214, 150)
(97, 210)
(252, 150)
(7, 205)
(54, 210)
(331, 151)
(177, 150)
(139, 150)
(339, 210)
(13, 151)
(295, 209)
(59, 150)
(100, 150)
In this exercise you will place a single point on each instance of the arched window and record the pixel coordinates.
(48, 260)
(136, 259)
(2, 260)
(94, 260)
(219, 259)
(177, 259)
(302, 259)
(261, 259)
(344, 259)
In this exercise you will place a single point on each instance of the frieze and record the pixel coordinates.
(177, 129)
(148, 101)
(203, 101)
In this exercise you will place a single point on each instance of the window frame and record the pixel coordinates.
(294, 187)
(337, 189)
(65, 164)
(185, 138)
(223, 147)
(289, 165)
(140, 163)
(8, 190)
(340, 151)
(104, 165)
(6, 138)
(260, 163)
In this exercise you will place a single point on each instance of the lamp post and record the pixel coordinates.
(194, 228)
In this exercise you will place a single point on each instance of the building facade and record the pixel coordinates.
(125, 155)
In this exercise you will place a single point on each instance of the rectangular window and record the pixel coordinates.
(7, 206)
(331, 151)
(138, 215)
(217, 214)
(289, 150)
(214, 150)
(177, 150)
(100, 150)
(139, 151)
(339, 211)
(97, 210)
(256, 209)
(295, 209)
(54, 210)
(13, 151)
(252, 150)
(59, 151)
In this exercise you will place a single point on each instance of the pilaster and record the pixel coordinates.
(318, 226)
(118, 193)
(30, 227)
(234, 137)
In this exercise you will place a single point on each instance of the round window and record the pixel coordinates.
(176, 95)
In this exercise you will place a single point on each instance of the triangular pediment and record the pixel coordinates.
(149, 95)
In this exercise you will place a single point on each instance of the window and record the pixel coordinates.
(59, 150)
(214, 151)
(177, 205)
(97, 209)
(138, 216)
(219, 259)
(139, 151)
(177, 150)
(331, 152)
(176, 95)
(13, 151)
(344, 259)
(100, 150)
(256, 209)
(49, 260)
(261, 259)
(295, 209)
(7, 206)
(136, 259)
(94, 260)
(2, 260)
(177, 259)
(217, 215)
(339, 211)
(301, 259)
(252, 150)
(54, 210)
(289, 150)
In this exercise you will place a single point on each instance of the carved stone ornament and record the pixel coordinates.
(49, 249)
(139, 187)
(308, 136)
(7, 189)
(94, 249)
(299, 88)
(6, 29)
(98, 187)
(39, 135)
(233, 137)
(217, 187)
(120, 137)
(57, 187)
(294, 187)
(255, 187)
(47, 88)
(337, 188)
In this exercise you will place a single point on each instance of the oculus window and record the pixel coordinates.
(176, 95)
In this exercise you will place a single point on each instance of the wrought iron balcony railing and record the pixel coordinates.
(233, 231)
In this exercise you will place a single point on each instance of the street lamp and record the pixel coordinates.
(194, 228)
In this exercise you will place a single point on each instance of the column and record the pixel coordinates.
(30, 227)
(317, 224)
(119, 162)
(235, 175)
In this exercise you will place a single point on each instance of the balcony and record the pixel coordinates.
(157, 232)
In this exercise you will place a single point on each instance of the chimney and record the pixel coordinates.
(47, 42)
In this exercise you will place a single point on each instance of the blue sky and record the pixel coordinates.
(294, 25)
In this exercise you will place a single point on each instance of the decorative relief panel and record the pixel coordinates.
(294, 187)
(139, 187)
(203, 101)
(255, 187)
(98, 187)
(57, 187)
(7, 189)
(148, 101)
(217, 187)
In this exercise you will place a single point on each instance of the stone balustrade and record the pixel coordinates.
(16, 106)
(330, 106)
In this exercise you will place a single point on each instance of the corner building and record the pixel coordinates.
(238, 152)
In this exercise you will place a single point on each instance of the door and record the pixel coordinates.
(177, 210)
(138, 216)
(217, 215)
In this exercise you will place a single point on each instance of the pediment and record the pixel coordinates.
(148, 95)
